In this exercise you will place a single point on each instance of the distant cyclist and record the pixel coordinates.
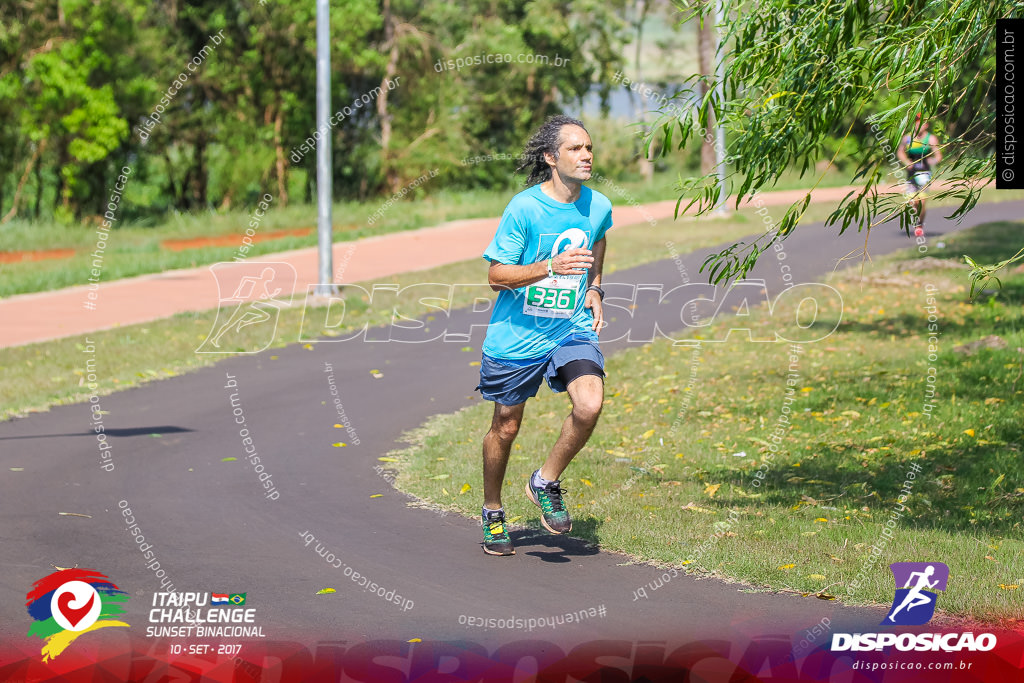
(919, 153)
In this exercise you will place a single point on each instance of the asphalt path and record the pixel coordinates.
(213, 528)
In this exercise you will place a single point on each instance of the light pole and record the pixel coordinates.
(325, 282)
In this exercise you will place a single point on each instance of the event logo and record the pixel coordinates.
(914, 603)
(247, 318)
(70, 602)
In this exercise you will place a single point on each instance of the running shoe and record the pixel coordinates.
(555, 517)
(496, 538)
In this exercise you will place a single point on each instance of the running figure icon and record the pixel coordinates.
(915, 598)
(247, 318)
(917, 586)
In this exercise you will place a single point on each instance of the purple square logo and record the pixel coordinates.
(916, 586)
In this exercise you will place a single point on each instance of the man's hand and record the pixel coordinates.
(593, 302)
(572, 262)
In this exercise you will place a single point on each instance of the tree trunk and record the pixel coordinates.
(646, 168)
(282, 185)
(175, 190)
(21, 183)
(39, 189)
(706, 57)
(198, 172)
(391, 175)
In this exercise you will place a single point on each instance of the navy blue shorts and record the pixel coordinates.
(511, 382)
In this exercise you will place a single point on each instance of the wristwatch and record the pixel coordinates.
(600, 292)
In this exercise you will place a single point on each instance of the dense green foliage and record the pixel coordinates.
(807, 80)
(227, 88)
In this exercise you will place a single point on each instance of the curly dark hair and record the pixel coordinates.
(546, 139)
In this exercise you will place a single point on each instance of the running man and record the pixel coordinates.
(919, 153)
(546, 260)
(914, 597)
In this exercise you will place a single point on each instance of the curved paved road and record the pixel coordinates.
(212, 528)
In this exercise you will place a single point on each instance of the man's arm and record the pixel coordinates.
(598, 267)
(569, 262)
(592, 300)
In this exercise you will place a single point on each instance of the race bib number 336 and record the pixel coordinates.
(552, 298)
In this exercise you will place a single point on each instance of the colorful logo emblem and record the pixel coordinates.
(914, 602)
(70, 602)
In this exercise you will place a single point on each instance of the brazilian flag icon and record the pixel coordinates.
(237, 598)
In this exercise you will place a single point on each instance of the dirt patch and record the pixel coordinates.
(43, 255)
(231, 240)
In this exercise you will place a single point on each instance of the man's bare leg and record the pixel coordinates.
(497, 445)
(587, 395)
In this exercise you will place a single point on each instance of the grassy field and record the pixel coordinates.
(50, 373)
(671, 475)
(135, 248)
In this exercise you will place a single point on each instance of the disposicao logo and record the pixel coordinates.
(70, 602)
(913, 605)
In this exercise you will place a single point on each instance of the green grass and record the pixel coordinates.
(37, 376)
(135, 248)
(659, 479)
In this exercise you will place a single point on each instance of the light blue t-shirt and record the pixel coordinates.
(529, 322)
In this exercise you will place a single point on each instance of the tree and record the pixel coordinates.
(806, 76)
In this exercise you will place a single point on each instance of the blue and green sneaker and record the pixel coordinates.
(555, 517)
(496, 538)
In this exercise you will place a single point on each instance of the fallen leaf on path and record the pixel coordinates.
(711, 489)
(228, 459)
(377, 495)
(325, 591)
(339, 444)
(465, 489)
(74, 514)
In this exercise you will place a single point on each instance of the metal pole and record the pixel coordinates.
(720, 96)
(325, 283)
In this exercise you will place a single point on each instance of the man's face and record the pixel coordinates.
(575, 155)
